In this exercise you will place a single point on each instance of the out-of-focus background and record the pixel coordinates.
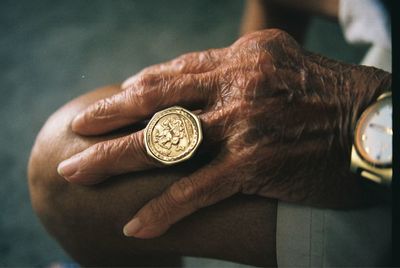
(52, 51)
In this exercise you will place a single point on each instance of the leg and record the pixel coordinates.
(88, 221)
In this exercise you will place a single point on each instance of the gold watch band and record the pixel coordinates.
(378, 175)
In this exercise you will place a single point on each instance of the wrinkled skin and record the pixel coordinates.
(279, 120)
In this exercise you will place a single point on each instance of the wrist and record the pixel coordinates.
(368, 84)
(355, 87)
(362, 86)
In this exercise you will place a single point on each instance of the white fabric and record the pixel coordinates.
(378, 57)
(367, 22)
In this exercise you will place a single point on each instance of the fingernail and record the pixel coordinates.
(68, 167)
(132, 227)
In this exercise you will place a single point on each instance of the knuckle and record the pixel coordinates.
(263, 39)
(99, 109)
(252, 39)
(270, 35)
(197, 56)
(279, 37)
(274, 33)
(179, 64)
(208, 57)
(93, 157)
(242, 40)
(104, 109)
(122, 146)
(146, 84)
(184, 59)
(100, 151)
(142, 96)
(182, 192)
(197, 61)
(144, 80)
(147, 71)
(137, 98)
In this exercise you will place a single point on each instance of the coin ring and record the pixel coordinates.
(162, 142)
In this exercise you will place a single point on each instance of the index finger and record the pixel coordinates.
(144, 98)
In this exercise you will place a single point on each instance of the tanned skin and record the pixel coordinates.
(88, 221)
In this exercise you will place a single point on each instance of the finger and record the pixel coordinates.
(104, 159)
(203, 188)
(190, 63)
(121, 155)
(146, 97)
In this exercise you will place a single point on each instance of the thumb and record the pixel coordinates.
(205, 187)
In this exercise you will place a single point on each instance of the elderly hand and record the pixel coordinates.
(281, 119)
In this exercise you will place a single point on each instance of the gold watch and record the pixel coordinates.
(371, 154)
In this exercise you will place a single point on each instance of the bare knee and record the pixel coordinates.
(66, 210)
(88, 221)
(54, 143)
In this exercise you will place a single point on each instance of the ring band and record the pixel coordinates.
(173, 135)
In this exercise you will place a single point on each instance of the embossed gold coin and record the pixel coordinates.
(173, 135)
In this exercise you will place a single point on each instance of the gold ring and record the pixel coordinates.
(173, 135)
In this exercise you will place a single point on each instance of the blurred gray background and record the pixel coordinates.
(52, 51)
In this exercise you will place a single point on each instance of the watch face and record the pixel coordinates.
(374, 133)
